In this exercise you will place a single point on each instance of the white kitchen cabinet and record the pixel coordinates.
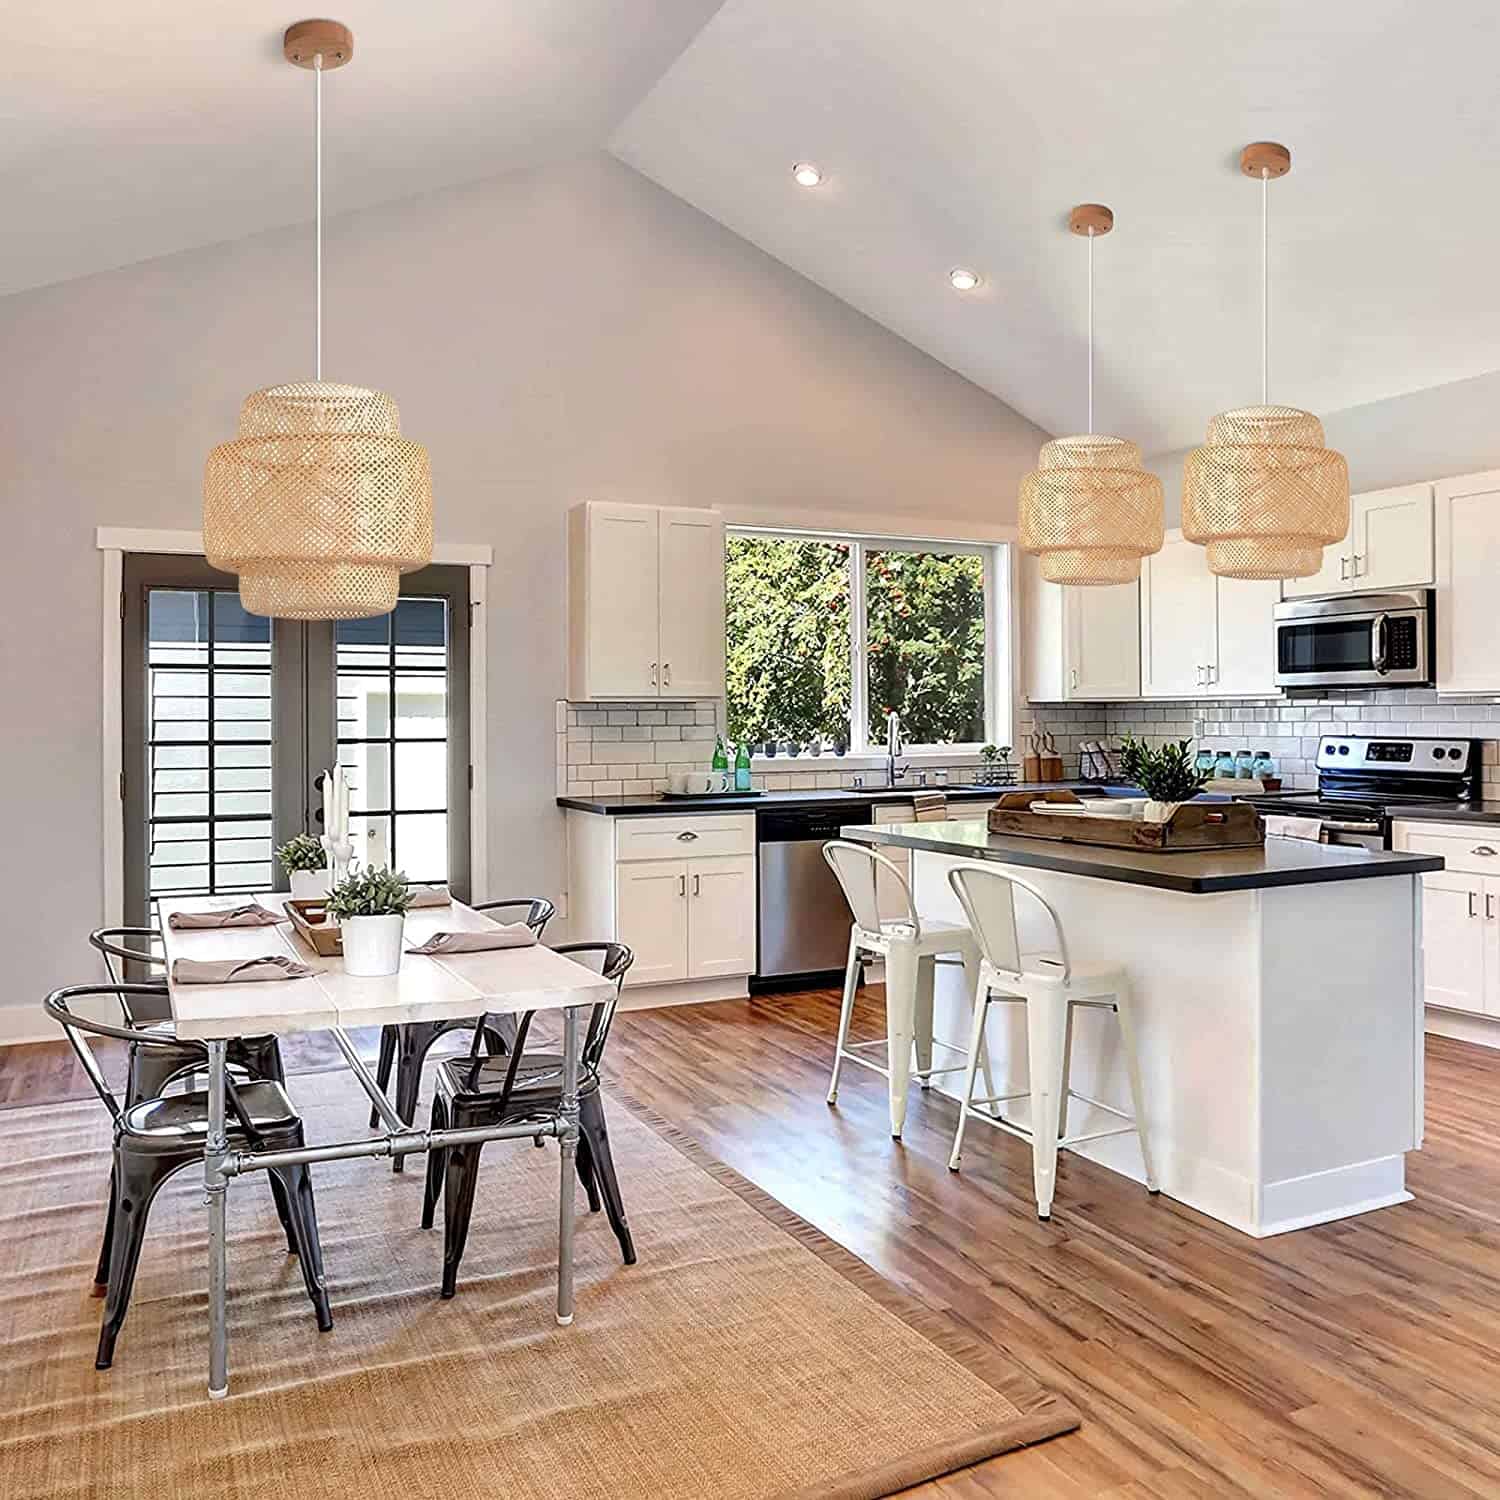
(1389, 546)
(1079, 643)
(1468, 567)
(890, 900)
(645, 602)
(678, 889)
(1202, 635)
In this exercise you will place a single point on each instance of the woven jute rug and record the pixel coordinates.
(745, 1356)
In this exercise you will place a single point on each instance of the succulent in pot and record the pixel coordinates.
(370, 905)
(306, 863)
(1166, 774)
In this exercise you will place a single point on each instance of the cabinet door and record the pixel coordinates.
(691, 584)
(721, 916)
(1390, 538)
(1455, 935)
(651, 918)
(621, 602)
(1468, 563)
(1331, 578)
(1247, 642)
(1103, 627)
(1177, 621)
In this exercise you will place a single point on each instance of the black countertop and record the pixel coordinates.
(1452, 812)
(1280, 862)
(851, 797)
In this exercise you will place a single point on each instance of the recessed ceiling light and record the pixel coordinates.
(963, 281)
(805, 174)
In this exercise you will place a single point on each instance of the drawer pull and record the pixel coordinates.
(1472, 912)
(686, 838)
(682, 885)
(1482, 849)
(1489, 906)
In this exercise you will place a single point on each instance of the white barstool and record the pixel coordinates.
(910, 947)
(1051, 988)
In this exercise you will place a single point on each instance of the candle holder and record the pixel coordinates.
(340, 856)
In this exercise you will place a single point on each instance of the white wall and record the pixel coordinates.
(1431, 434)
(550, 336)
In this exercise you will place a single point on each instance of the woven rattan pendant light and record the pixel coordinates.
(1089, 510)
(319, 504)
(1264, 495)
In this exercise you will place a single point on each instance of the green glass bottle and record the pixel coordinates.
(742, 767)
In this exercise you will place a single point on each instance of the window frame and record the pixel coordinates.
(998, 708)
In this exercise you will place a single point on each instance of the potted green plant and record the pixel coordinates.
(306, 863)
(1167, 775)
(370, 905)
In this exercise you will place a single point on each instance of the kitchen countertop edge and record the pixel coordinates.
(649, 803)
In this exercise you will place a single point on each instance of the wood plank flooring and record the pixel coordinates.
(1361, 1358)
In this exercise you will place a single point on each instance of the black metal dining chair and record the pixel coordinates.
(507, 1090)
(405, 1047)
(155, 1138)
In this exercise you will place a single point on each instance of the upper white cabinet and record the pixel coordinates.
(1468, 569)
(1201, 634)
(645, 602)
(1389, 546)
(1079, 643)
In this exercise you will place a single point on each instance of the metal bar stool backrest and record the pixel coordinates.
(612, 960)
(988, 898)
(855, 867)
(534, 911)
(111, 945)
(58, 1006)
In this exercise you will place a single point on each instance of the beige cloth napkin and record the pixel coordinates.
(513, 935)
(431, 895)
(250, 915)
(237, 970)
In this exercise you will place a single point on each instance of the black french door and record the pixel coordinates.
(229, 720)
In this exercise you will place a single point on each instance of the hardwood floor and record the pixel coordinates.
(1356, 1359)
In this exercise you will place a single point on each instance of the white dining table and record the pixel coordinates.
(452, 987)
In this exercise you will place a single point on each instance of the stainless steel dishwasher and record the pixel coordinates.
(804, 920)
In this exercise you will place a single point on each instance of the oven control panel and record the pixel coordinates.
(1416, 757)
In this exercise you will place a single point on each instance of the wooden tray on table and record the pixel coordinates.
(1194, 827)
(310, 918)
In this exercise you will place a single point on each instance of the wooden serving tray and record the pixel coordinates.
(1195, 826)
(310, 918)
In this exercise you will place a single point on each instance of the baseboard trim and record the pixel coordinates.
(685, 992)
(1483, 1031)
(1339, 1193)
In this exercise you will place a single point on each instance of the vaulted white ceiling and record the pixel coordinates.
(952, 132)
(959, 132)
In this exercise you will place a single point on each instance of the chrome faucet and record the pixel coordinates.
(893, 772)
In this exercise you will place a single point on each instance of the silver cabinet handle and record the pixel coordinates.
(1483, 849)
(1489, 906)
(1472, 912)
(687, 837)
(1355, 570)
(1344, 569)
(682, 884)
(666, 673)
(653, 674)
(695, 885)
(1072, 677)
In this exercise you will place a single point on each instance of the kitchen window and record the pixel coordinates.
(825, 634)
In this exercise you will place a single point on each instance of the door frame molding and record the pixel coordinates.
(113, 542)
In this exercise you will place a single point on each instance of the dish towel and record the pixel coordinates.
(249, 915)
(1279, 827)
(237, 970)
(513, 935)
(430, 895)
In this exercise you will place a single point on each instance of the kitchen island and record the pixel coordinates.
(1278, 995)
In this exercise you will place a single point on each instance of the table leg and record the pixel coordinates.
(568, 1140)
(216, 1188)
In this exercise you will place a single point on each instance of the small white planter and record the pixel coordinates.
(372, 945)
(309, 885)
(1158, 812)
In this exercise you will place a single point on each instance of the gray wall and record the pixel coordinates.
(1431, 434)
(552, 336)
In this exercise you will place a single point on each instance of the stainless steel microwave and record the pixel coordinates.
(1355, 640)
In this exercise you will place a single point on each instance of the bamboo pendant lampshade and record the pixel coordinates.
(1265, 494)
(319, 504)
(1089, 511)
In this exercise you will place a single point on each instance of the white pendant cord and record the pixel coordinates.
(1090, 427)
(1265, 288)
(318, 193)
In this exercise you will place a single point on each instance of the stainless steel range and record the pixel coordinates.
(1360, 779)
